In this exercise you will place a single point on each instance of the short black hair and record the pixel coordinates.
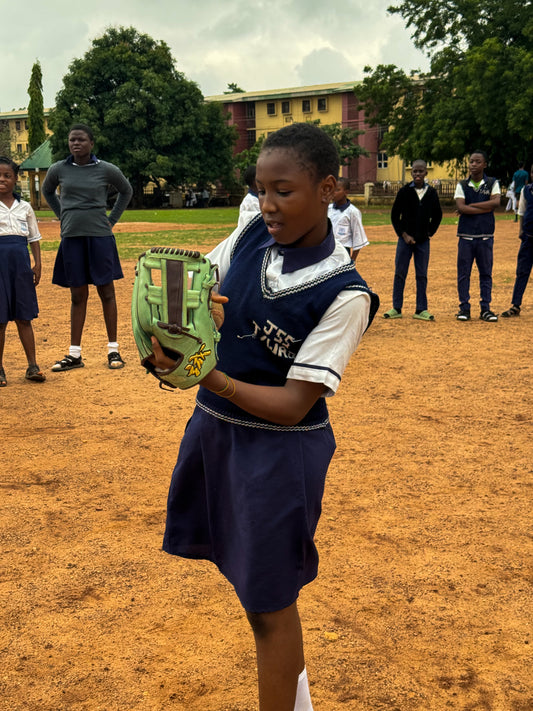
(344, 183)
(4, 160)
(249, 175)
(314, 148)
(481, 153)
(82, 127)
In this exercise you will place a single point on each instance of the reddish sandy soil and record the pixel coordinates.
(424, 596)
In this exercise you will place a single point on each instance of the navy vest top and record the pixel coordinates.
(481, 225)
(263, 330)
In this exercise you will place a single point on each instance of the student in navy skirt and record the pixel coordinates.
(87, 253)
(18, 279)
(247, 488)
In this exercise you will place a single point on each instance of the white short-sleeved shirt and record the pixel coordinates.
(460, 193)
(248, 208)
(19, 219)
(332, 342)
(347, 226)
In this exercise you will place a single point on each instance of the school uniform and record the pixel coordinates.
(476, 242)
(418, 213)
(87, 253)
(347, 224)
(524, 262)
(246, 493)
(18, 227)
(248, 208)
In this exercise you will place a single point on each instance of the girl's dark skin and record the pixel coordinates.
(294, 205)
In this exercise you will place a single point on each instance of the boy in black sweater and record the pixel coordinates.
(416, 215)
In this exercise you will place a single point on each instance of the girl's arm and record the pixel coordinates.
(125, 191)
(36, 269)
(50, 184)
(285, 405)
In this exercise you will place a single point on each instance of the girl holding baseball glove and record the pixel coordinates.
(247, 488)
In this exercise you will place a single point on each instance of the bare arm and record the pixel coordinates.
(477, 207)
(284, 405)
(36, 253)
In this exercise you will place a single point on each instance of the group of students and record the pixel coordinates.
(246, 491)
(87, 251)
(416, 215)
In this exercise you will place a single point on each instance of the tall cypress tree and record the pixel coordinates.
(36, 132)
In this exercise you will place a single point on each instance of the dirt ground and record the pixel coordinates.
(424, 595)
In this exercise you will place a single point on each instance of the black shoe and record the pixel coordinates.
(488, 316)
(114, 361)
(463, 316)
(34, 373)
(67, 363)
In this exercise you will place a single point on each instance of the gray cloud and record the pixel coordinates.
(259, 45)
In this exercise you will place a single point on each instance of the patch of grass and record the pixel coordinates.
(207, 216)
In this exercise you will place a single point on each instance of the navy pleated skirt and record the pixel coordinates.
(249, 500)
(87, 260)
(18, 299)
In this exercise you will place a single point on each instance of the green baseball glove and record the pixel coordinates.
(172, 301)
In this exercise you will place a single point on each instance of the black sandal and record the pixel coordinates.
(3, 381)
(34, 373)
(513, 311)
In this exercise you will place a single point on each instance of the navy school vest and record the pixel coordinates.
(263, 330)
(481, 225)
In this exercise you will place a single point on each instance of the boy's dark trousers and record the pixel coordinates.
(481, 251)
(524, 263)
(420, 253)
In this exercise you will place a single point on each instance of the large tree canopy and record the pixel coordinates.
(478, 92)
(36, 132)
(146, 116)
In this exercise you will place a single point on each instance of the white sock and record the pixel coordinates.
(75, 351)
(303, 697)
(112, 348)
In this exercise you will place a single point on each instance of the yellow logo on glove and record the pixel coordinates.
(196, 361)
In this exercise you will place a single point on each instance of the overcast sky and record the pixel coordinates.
(258, 44)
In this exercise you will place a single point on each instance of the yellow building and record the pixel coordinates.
(17, 122)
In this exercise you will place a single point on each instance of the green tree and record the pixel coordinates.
(234, 89)
(146, 116)
(477, 94)
(5, 139)
(36, 132)
(345, 139)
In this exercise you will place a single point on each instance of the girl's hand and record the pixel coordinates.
(158, 357)
(217, 308)
(36, 274)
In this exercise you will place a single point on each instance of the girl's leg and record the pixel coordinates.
(78, 312)
(3, 381)
(27, 339)
(3, 327)
(280, 656)
(106, 292)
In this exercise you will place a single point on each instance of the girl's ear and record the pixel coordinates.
(327, 188)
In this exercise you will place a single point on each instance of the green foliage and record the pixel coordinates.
(146, 116)
(5, 139)
(345, 139)
(248, 157)
(36, 132)
(234, 89)
(477, 94)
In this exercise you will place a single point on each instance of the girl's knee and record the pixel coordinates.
(106, 292)
(79, 295)
(22, 323)
(264, 624)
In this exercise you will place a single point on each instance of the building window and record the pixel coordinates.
(17, 125)
(322, 104)
(251, 138)
(271, 108)
(306, 106)
(285, 107)
(19, 147)
(250, 110)
(383, 160)
(26, 125)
